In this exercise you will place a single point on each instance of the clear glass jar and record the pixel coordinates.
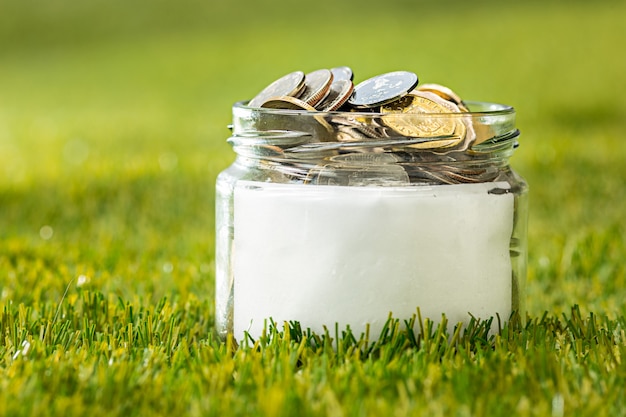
(335, 217)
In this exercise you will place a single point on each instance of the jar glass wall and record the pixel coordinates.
(347, 217)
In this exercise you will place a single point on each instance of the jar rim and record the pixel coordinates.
(485, 126)
(477, 109)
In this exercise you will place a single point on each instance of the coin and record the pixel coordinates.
(316, 86)
(350, 134)
(356, 128)
(286, 103)
(342, 73)
(418, 104)
(445, 93)
(270, 151)
(483, 133)
(446, 144)
(383, 89)
(339, 93)
(385, 131)
(437, 144)
(442, 91)
(445, 105)
(470, 132)
(292, 103)
(288, 85)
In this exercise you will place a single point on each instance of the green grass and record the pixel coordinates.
(106, 356)
(112, 130)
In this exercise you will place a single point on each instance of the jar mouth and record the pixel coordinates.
(477, 109)
(485, 124)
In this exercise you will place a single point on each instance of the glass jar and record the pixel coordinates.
(336, 218)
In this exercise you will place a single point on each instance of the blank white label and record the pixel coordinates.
(322, 255)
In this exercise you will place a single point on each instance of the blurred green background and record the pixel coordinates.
(113, 120)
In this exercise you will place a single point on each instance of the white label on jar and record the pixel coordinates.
(326, 254)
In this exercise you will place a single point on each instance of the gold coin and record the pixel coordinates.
(483, 133)
(286, 103)
(415, 115)
(445, 145)
(445, 93)
(448, 105)
(316, 86)
(442, 91)
(438, 143)
(288, 85)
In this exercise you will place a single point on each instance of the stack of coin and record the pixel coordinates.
(390, 113)
(393, 95)
(321, 90)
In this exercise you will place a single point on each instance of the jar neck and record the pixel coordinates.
(369, 163)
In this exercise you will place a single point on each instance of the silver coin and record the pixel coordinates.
(288, 85)
(342, 73)
(383, 89)
(339, 93)
(292, 103)
(317, 86)
(350, 134)
(372, 131)
(359, 128)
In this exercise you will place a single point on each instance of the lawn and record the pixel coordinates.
(113, 129)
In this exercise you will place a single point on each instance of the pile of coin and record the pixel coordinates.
(391, 115)
(396, 96)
